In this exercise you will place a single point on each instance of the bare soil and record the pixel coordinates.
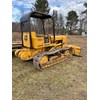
(64, 81)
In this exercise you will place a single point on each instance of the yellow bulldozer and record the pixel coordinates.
(45, 49)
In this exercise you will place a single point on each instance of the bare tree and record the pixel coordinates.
(83, 20)
(61, 23)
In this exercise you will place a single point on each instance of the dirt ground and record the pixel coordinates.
(64, 81)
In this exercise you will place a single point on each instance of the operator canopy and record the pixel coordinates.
(34, 14)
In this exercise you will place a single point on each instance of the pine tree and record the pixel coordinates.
(72, 20)
(41, 5)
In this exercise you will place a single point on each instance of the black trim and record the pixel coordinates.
(31, 47)
(43, 26)
(53, 28)
(34, 14)
(21, 34)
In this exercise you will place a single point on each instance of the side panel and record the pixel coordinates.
(60, 38)
(26, 39)
(37, 42)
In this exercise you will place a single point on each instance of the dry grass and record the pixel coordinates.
(64, 81)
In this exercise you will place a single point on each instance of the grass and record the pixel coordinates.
(64, 81)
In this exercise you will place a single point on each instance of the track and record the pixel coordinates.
(59, 52)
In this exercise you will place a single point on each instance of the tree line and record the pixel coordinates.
(74, 23)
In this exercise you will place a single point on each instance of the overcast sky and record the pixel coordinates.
(62, 6)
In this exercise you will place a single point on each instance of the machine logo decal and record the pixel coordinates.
(26, 37)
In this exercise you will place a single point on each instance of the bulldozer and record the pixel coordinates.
(46, 49)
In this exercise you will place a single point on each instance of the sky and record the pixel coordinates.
(62, 6)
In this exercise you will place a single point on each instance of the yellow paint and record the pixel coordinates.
(17, 52)
(76, 49)
(39, 45)
(44, 60)
(26, 39)
(27, 54)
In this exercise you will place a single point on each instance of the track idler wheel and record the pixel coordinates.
(43, 61)
(17, 52)
(24, 55)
